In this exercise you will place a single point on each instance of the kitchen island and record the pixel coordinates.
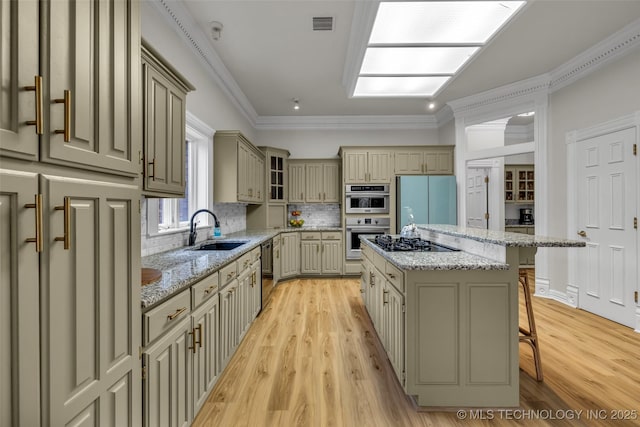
(449, 320)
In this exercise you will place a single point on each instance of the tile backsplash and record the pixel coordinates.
(232, 217)
(315, 215)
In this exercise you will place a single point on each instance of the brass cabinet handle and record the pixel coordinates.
(209, 289)
(196, 341)
(582, 233)
(391, 275)
(230, 291)
(37, 88)
(302, 195)
(200, 339)
(38, 207)
(177, 313)
(230, 275)
(66, 131)
(66, 207)
(385, 300)
(324, 196)
(277, 253)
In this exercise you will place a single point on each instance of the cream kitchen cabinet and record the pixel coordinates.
(289, 255)
(164, 104)
(273, 213)
(314, 181)
(238, 169)
(332, 253)
(424, 160)
(310, 257)
(75, 82)
(365, 165)
(393, 319)
(277, 260)
(91, 261)
(19, 299)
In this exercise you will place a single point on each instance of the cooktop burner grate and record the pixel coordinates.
(409, 244)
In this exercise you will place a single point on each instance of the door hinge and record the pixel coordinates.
(404, 308)
(635, 149)
(486, 215)
(635, 296)
(139, 353)
(635, 222)
(144, 373)
(486, 179)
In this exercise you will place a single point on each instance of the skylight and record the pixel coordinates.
(416, 47)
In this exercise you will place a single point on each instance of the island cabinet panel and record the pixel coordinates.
(462, 337)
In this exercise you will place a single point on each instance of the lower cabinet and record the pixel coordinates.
(527, 255)
(289, 255)
(167, 386)
(205, 323)
(229, 324)
(321, 253)
(277, 260)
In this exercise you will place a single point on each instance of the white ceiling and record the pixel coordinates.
(274, 56)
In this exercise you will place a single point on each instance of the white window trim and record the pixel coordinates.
(200, 135)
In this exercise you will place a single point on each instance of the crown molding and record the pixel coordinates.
(183, 23)
(198, 125)
(597, 56)
(346, 122)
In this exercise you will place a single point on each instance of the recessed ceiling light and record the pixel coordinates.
(296, 104)
(431, 105)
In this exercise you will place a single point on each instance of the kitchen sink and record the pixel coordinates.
(220, 246)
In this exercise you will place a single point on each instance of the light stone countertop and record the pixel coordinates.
(502, 238)
(185, 266)
(436, 260)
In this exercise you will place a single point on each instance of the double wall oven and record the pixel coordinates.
(356, 227)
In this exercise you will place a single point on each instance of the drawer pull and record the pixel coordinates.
(177, 313)
(230, 275)
(38, 207)
(391, 275)
(66, 130)
(37, 88)
(66, 238)
(209, 289)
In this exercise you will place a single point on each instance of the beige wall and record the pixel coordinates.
(608, 93)
(208, 102)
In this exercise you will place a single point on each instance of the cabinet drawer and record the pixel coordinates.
(204, 289)
(331, 235)
(310, 235)
(244, 262)
(162, 318)
(395, 276)
(255, 254)
(228, 273)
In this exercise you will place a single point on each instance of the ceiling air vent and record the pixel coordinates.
(323, 23)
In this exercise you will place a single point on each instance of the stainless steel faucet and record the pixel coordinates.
(193, 226)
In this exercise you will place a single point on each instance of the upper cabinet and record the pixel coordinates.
(165, 96)
(238, 169)
(361, 165)
(70, 95)
(424, 160)
(519, 184)
(276, 174)
(314, 181)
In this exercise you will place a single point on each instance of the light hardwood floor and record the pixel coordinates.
(312, 358)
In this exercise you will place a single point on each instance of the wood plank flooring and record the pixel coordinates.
(312, 358)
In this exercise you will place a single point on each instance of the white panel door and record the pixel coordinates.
(477, 198)
(607, 205)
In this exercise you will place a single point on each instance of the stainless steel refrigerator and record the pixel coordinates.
(430, 199)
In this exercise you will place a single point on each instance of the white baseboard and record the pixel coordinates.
(637, 328)
(542, 288)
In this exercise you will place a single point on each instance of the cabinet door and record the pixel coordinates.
(310, 258)
(290, 253)
(256, 290)
(206, 324)
(331, 183)
(260, 179)
(355, 167)
(228, 322)
(96, 58)
(439, 163)
(164, 134)
(408, 162)
(19, 329)
(379, 166)
(277, 176)
(332, 257)
(243, 172)
(277, 260)
(297, 182)
(18, 69)
(244, 297)
(167, 388)
(90, 349)
(314, 188)
(394, 309)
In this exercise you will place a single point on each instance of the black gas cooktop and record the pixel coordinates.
(410, 244)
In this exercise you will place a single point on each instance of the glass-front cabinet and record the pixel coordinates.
(277, 179)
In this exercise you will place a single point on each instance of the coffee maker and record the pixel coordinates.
(526, 216)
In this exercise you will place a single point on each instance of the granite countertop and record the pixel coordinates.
(183, 267)
(502, 238)
(436, 260)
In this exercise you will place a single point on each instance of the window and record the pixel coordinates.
(172, 214)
